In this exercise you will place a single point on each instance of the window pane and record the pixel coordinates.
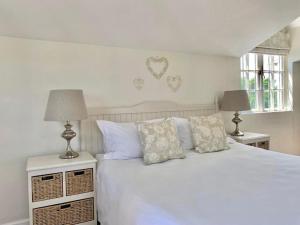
(252, 81)
(244, 81)
(267, 62)
(252, 61)
(252, 99)
(273, 63)
(276, 63)
(243, 62)
(266, 99)
(266, 81)
(277, 81)
(249, 61)
(277, 99)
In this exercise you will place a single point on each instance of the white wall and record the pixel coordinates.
(295, 44)
(29, 68)
(294, 59)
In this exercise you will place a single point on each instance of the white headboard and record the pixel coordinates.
(90, 135)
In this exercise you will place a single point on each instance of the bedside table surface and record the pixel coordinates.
(53, 161)
(251, 136)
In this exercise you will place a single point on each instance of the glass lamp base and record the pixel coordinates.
(69, 155)
(237, 133)
(68, 134)
(236, 120)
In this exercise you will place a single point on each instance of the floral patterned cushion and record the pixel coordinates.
(160, 141)
(209, 133)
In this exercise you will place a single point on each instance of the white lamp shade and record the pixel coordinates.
(236, 100)
(66, 105)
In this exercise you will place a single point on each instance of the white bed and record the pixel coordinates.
(240, 186)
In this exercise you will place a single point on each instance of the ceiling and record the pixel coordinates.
(222, 27)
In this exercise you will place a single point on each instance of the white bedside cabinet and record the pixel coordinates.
(62, 191)
(254, 139)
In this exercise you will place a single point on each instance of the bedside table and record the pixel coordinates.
(62, 191)
(254, 139)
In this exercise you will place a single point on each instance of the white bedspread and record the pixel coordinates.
(240, 186)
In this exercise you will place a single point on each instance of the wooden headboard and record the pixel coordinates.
(90, 135)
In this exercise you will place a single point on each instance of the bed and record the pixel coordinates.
(239, 186)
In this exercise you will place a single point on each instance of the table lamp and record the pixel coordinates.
(236, 101)
(66, 105)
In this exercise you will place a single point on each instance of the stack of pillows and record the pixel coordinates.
(160, 140)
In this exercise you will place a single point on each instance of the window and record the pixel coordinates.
(263, 76)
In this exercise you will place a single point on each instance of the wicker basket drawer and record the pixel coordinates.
(79, 181)
(46, 187)
(69, 213)
(263, 144)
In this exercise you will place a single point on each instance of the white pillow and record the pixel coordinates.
(184, 131)
(120, 140)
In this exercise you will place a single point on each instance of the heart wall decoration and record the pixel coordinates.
(138, 83)
(174, 82)
(157, 66)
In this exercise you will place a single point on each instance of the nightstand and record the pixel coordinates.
(62, 191)
(254, 139)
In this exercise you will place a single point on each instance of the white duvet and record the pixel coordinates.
(240, 186)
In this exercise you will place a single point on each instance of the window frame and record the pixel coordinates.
(259, 90)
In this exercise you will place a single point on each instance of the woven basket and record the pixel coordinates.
(69, 213)
(46, 187)
(263, 144)
(79, 181)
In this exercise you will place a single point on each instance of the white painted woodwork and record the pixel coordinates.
(43, 165)
(254, 139)
(91, 139)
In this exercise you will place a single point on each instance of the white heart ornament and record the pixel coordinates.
(174, 82)
(138, 83)
(157, 66)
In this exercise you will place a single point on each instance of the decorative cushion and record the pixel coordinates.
(160, 141)
(209, 133)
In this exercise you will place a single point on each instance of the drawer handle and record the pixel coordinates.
(65, 206)
(78, 173)
(50, 177)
